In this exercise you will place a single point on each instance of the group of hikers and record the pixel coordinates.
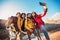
(26, 24)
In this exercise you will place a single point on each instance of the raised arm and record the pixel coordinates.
(45, 9)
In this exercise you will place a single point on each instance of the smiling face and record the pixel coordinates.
(23, 15)
(10, 19)
(33, 14)
(18, 14)
(29, 15)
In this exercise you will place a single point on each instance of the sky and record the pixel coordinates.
(11, 7)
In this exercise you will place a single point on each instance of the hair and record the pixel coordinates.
(28, 14)
(15, 23)
(14, 19)
(11, 19)
(18, 13)
(11, 16)
(34, 13)
(23, 14)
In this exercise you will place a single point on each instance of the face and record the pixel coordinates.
(29, 15)
(10, 21)
(33, 14)
(23, 15)
(18, 15)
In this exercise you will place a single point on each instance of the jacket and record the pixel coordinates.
(19, 23)
(29, 24)
(38, 18)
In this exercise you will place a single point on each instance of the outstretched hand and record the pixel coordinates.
(42, 3)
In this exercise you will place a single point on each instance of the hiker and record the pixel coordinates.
(29, 25)
(23, 15)
(19, 24)
(39, 22)
(12, 27)
(18, 15)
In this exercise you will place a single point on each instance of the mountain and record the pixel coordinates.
(56, 16)
(54, 19)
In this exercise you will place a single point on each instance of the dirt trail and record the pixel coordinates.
(53, 36)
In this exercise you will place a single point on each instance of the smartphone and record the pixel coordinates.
(40, 3)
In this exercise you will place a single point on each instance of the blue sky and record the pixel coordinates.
(10, 7)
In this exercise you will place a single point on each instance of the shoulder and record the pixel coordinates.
(38, 15)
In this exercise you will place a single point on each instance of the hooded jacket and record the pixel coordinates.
(38, 18)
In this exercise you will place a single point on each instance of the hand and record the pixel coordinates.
(31, 30)
(24, 32)
(42, 3)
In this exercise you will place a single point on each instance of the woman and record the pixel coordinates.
(23, 15)
(39, 22)
(12, 28)
(19, 23)
(18, 15)
(29, 25)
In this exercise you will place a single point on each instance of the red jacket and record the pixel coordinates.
(38, 19)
